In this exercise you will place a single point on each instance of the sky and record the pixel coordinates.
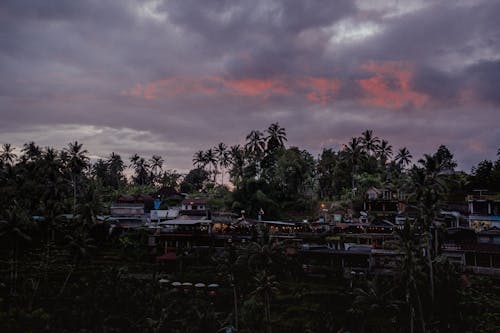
(176, 76)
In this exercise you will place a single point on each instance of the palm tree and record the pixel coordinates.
(237, 158)
(266, 286)
(384, 151)
(353, 152)
(427, 187)
(276, 137)
(211, 159)
(115, 169)
(256, 143)
(156, 163)
(133, 159)
(266, 255)
(141, 169)
(372, 302)
(369, 142)
(13, 227)
(222, 158)
(403, 158)
(90, 205)
(410, 244)
(78, 245)
(31, 151)
(77, 163)
(7, 156)
(227, 266)
(199, 159)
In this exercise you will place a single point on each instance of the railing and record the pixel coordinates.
(488, 197)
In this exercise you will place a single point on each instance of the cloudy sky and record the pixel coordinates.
(175, 76)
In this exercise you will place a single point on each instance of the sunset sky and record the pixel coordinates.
(176, 76)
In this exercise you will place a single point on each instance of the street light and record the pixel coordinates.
(324, 210)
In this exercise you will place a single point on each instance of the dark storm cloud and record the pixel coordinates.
(483, 78)
(172, 77)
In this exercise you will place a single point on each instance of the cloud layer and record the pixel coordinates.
(172, 77)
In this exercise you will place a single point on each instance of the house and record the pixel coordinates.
(194, 206)
(169, 195)
(127, 209)
(484, 211)
(383, 203)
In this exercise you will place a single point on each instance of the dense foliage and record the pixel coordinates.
(61, 271)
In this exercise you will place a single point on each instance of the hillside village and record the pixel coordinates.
(249, 221)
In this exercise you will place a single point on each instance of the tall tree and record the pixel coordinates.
(445, 159)
(77, 163)
(115, 169)
(156, 163)
(256, 143)
(31, 151)
(141, 169)
(276, 137)
(7, 156)
(13, 226)
(199, 160)
(403, 158)
(223, 158)
(353, 152)
(266, 285)
(410, 245)
(369, 142)
(384, 151)
(238, 163)
(211, 159)
(325, 169)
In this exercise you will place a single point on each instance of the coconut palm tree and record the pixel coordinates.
(372, 302)
(222, 158)
(266, 286)
(31, 151)
(77, 163)
(410, 245)
(141, 169)
(427, 186)
(211, 159)
(256, 143)
(7, 156)
(403, 158)
(276, 137)
(199, 159)
(369, 142)
(353, 152)
(156, 163)
(384, 151)
(115, 169)
(227, 267)
(237, 160)
(78, 246)
(13, 226)
(90, 205)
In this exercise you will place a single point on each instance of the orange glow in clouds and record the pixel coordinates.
(389, 86)
(322, 89)
(255, 87)
(314, 89)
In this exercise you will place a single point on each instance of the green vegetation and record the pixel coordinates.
(63, 271)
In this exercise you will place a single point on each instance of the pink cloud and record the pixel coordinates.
(389, 86)
(314, 89)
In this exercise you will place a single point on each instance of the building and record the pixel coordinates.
(194, 206)
(484, 211)
(383, 203)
